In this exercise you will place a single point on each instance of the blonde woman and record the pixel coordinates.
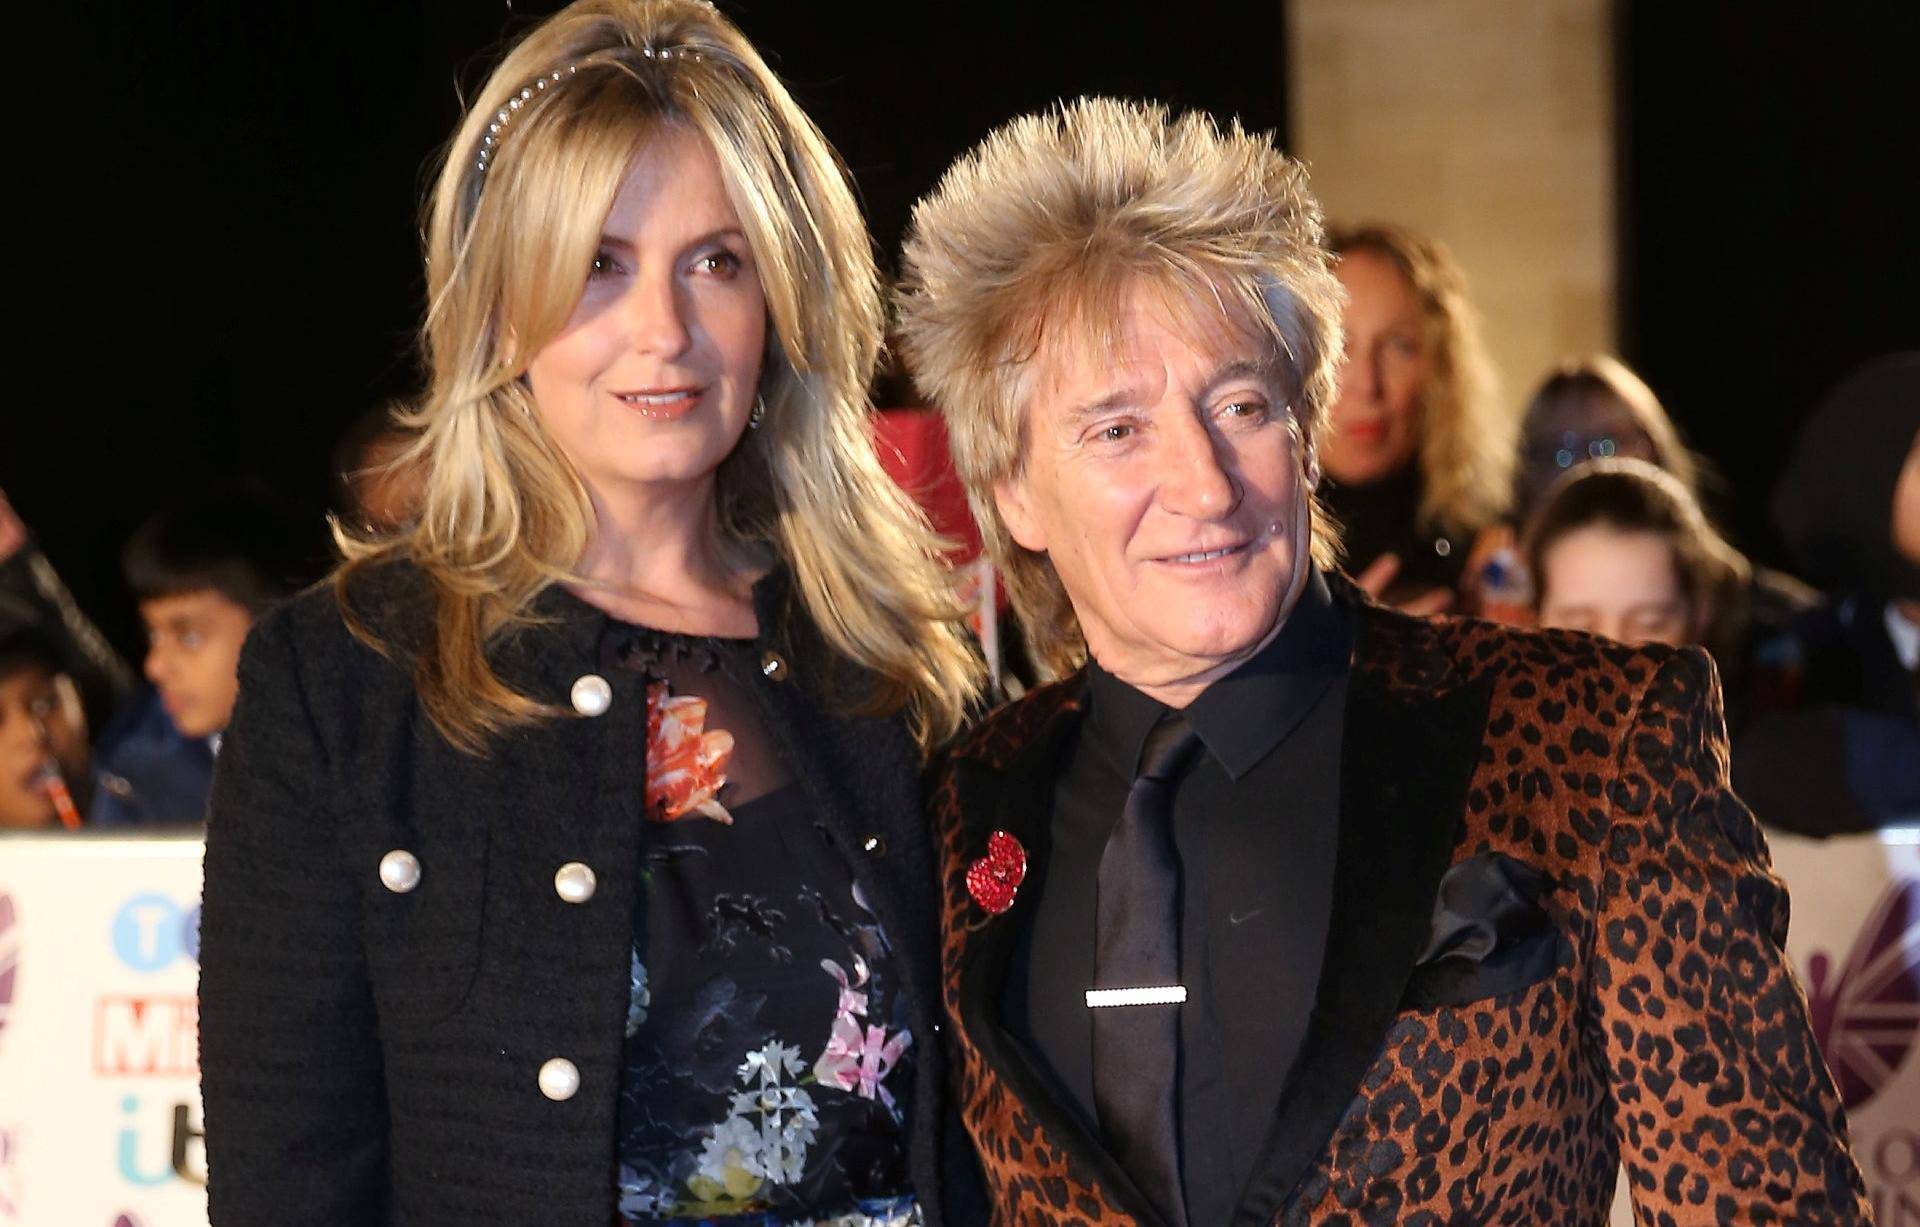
(566, 862)
(1421, 456)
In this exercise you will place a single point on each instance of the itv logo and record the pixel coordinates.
(160, 1143)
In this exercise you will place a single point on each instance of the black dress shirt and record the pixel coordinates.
(1255, 822)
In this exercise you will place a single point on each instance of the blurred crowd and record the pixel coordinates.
(1579, 507)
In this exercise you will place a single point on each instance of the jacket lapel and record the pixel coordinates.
(1411, 742)
(1017, 797)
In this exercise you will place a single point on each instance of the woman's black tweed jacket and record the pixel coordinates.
(373, 1057)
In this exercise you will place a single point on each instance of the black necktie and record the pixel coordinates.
(1136, 1048)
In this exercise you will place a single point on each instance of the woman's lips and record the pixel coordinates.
(662, 404)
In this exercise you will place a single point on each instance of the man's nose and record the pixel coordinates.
(1195, 479)
(156, 666)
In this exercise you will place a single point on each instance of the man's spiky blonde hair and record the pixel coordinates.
(1031, 245)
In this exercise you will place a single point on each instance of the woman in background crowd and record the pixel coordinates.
(566, 859)
(1421, 457)
(1595, 408)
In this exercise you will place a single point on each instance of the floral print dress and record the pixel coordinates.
(768, 1062)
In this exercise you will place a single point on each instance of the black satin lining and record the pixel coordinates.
(1490, 935)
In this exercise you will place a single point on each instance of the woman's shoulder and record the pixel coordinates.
(348, 625)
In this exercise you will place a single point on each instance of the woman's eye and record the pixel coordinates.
(719, 264)
(603, 264)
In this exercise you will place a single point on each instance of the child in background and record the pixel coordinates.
(43, 733)
(202, 573)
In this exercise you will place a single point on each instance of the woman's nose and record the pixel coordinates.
(656, 318)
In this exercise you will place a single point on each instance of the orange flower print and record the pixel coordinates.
(686, 765)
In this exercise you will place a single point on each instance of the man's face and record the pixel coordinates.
(193, 657)
(40, 724)
(1163, 481)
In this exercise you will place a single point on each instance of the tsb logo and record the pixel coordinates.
(151, 932)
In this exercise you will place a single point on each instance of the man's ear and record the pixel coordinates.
(1010, 496)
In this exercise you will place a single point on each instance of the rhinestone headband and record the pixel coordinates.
(490, 141)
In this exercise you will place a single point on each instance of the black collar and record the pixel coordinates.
(1244, 715)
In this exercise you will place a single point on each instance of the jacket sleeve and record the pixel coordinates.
(296, 1120)
(1722, 1102)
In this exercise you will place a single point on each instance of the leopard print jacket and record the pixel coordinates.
(1671, 1034)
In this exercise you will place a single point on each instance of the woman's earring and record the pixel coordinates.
(758, 413)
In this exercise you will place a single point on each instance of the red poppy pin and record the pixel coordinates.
(994, 878)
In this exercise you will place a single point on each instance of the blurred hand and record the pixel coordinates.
(1378, 577)
(13, 533)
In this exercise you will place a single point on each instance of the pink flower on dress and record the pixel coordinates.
(686, 765)
(858, 1058)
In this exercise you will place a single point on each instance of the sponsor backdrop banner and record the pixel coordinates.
(99, 1033)
(1855, 944)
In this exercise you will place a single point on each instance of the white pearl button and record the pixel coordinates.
(575, 882)
(592, 695)
(559, 1079)
(400, 871)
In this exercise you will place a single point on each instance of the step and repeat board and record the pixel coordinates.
(100, 1033)
(100, 1121)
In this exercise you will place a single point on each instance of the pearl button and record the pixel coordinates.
(1442, 546)
(874, 845)
(575, 882)
(400, 871)
(559, 1079)
(774, 666)
(592, 695)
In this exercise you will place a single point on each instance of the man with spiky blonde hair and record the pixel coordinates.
(1279, 906)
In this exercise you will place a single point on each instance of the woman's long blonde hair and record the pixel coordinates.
(511, 229)
(1469, 441)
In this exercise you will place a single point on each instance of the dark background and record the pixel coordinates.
(226, 206)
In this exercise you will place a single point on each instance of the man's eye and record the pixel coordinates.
(1116, 432)
(1244, 409)
(190, 639)
(41, 707)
